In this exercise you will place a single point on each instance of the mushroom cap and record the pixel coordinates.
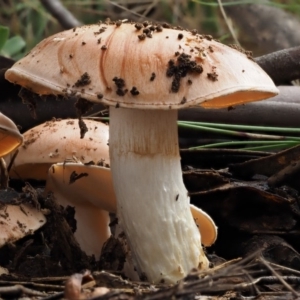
(97, 189)
(206, 225)
(151, 68)
(10, 136)
(17, 219)
(57, 141)
(19, 222)
(92, 196)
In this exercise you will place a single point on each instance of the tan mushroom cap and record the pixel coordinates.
(18, 221)
(57, 141)
(121, 65)
(10, 137)
(96, 188)
(92, 196)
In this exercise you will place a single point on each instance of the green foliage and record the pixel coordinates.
(4, 33)
(29, 19)
(10, 47)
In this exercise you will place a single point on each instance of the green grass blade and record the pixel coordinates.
(214, 129)
(243, 127)
(243, 143)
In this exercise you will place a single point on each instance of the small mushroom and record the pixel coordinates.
(57, 141)
(10, 137)
(17, 219)
(144, 154)
(93, 196)
(89, 189)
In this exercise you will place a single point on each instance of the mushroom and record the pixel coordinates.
(89, 189)
(10, 137)
(59, 141)
(17, 219)
(56, 141)
(146, 73)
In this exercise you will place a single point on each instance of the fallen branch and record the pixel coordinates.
(262, 27)
(60, 13)
(282, 66)
(281, 111)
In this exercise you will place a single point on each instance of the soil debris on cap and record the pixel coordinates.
(83, 128)
(159, 28)
(138, 26)
(142, 36)
(213, 75)
(180, 36)
(208, 37)
(242, 50)
(102, 29)
(153, 75)
(84, 80)
(120, 83)
(179, 69)
(134, 91)
(183, 100)
(74, 176)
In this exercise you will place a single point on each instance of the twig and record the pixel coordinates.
(130, 11)
(280, 278)
(148, 9)
(19, 289)
(284, 268)
(232, 32)
(62, 15)
(54, 296)
(50, 287)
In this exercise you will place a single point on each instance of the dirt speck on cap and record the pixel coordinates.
(120, 83)
(180, 68)
(84, 80)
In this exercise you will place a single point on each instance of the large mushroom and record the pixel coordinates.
(146, 72)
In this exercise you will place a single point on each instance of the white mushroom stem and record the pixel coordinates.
(152, 202)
